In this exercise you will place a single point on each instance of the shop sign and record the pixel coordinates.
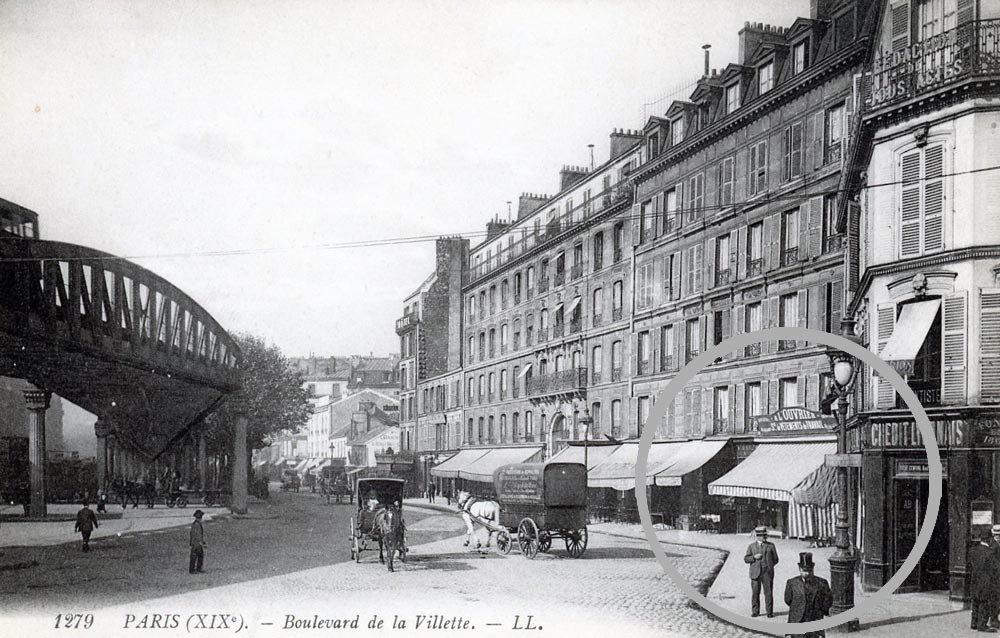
(918, 469)
(519, 483)
(793, 420)
(906, 434)
(988, 432)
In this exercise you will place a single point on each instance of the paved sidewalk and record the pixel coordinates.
(925, 614)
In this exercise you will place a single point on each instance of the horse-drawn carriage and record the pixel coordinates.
(379, 518)
(537, 502)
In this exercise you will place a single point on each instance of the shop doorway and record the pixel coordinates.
(931, 572)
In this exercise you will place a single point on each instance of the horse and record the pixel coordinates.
(389, 523)
(482, 510)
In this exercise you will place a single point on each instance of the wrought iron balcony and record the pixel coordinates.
(562, 382)
(616, 314)
(753, 350)
(558, 330)
(789, 256)
(406, 322)
(617, 255)
(575, 325)
(667, 362)
(616, 374)
(596, 377)
(577, 271)
(786, 344)
(596, 320)
(832, 243)
(643, 368)
(721, 277)
(971, 50)
(560, 278)
(755, 267)
(543, 284)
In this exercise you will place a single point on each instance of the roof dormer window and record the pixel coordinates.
(765, 78)
(676, 131)
(800, 57)
(732, 98)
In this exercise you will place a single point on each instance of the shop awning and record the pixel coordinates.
(260, 463)
(689, 458)
(302, 465)
(355, 470)
(481, 469)
(313, 463)
(526, 370)
(323, 463)
(573, 304)
(908, 335)
(818, 488)
(596, 454)
(773, 470)
(618, 469)
(461, 460)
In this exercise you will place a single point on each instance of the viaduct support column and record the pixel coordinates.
(202, 462)
(239, 460)
(38, 403)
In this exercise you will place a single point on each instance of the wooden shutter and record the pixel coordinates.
(679, 198)
(836, 305)
(739, 409)
(740, 173)
(818, 135)
(675, 273)
(817, 310)
(853, 270)
(636, 224)
(734, 243)
(814, 230)
(709, 261)
(954, 350)
(933, 213)
(738, 327)
(900, 26)
(803, 318)
(909, 242)
(741, 264)
(989, 340)
(966, 11)
(697, 267)
(885, 395)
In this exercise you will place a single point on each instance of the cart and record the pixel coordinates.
(374, 494)
(539, 503)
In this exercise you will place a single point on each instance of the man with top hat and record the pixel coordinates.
(982, 577)
(762, 556)
(808, 596)
(197, 544)
(994, 603)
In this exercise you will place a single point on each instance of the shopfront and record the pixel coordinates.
(896, 484)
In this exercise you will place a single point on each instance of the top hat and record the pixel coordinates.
(760, 531)
(995, 529)
(198, 513)
(806, 560)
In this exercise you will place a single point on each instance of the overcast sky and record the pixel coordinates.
(164, 131)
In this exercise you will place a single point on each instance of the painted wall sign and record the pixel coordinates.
(519, 484)
(793, 420)
(918, 468)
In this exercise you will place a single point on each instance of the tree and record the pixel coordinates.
(272, 397)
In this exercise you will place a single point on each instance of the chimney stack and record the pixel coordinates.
(528, 203)
(706, 48)
(570, 175)
(622, 140)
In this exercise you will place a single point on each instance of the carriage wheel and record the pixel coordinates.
(576, 542)
(544, 540)
(504, 541)
(182, 502)
(170, 502)
(527, 538)
(355, 546)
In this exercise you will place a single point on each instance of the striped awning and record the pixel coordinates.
(909, 333)
(302, 465)
(691, 456)
(773, 470)
(818, 488)
(481, 469)
(618, 469)
(461, 460)
(596, 454)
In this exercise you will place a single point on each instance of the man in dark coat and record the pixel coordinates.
(808, 597)
(197, 544)
(994, 547)
(762, 556)
(86, 522)
(983, 573)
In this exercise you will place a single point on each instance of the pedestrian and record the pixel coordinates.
(430, 492)
(808, 596)
(102, 500)
(198, 544)
(994, 546)
(447, 494)
(762, 556)
(86, 522)
(984, 570)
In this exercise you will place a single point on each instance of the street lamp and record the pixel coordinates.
(843, 560)
(586, 421)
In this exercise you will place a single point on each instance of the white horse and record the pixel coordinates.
(489, 511)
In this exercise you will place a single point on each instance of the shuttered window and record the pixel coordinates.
(900, 26)
(792, 152)
(696, 197)
(989, 341)
(954, 350)
(757, 177)
(885, 395)
(922, 202)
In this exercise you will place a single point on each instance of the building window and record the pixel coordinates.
(834, 136)
(503, 428)
(754, 404)
(696, 197)
(515, 427)
(504, 293)
(598, 250)
(503, 383)
(757, 175)
(482, 304)
(671, 214)
(788, 393)
(616, 301)
(831, 239)
(753, 323)
(616, 418)
(529, 330)
(470, 432)
(493, 342)
(472, 307)
(790, 237)
(644, 353)
(472, 348)
(642, 414)
(644, 296)
(717, 330)
(503, 338)
(529, 426)
(720, 422)
(922, 202)
(788, 316)
(800, 57)
(694, 268)
(676, 131)
(595, 414)
(597, 308)
(693, 339)
(692, 411)
(530, 276)
(577, 261)
(493, 385)
(765, 78)
(647, 221)
(471, 383)
(667, 276)
(517, 288)
(727, 170)
(722, 256)
(618, 241)
(482, 346)
(755, 249)
(616, 361)
(596, 363)
(543, 325)
(667, 348)
(732, 98)
(792, 147)
(481, 433)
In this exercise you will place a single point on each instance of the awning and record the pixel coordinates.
(691, 456)
(773, 470)
(260, 463)
(557, 307)
(313, 463)
(618, 470)
(908, 335)
(818, 488)
(481, 469)
(525, 371)
(355, 470)
(596, 454)
(461, 460)
(573, 304)
(302, 465)
(323, 463)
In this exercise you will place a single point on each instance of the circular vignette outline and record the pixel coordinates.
(734, 343)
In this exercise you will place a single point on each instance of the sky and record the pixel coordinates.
(171, 132)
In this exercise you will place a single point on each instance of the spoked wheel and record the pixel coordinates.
(544, 540)
(355, 545)
(576, 541)
(170, 503)
(527, 538)
(504, 541)
(182, 502)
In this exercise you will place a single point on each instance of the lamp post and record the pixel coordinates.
(843, 560)
(586, 421)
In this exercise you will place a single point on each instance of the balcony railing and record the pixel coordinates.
(721, 277)
(691, 354)
(517, 298)
(577, 271)
(543, 284)
(616, 375)
(596, 320)
(786, 344)
(406, 322)
(968, 51)
(516, 389)
(617, 257)
(616, 314)
(560, 278)
(753, 350)
(575, 325)
(564, 381)
(789, 256)
(755, 267)
(667, 363)
(596, 377)
(832, 243)
(558, 330)
(643, 368)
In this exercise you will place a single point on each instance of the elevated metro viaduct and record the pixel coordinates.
(115, 339)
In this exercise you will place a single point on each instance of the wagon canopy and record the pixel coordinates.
(548, 484)
(386, 490)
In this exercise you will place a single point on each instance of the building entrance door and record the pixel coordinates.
(931, 572)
